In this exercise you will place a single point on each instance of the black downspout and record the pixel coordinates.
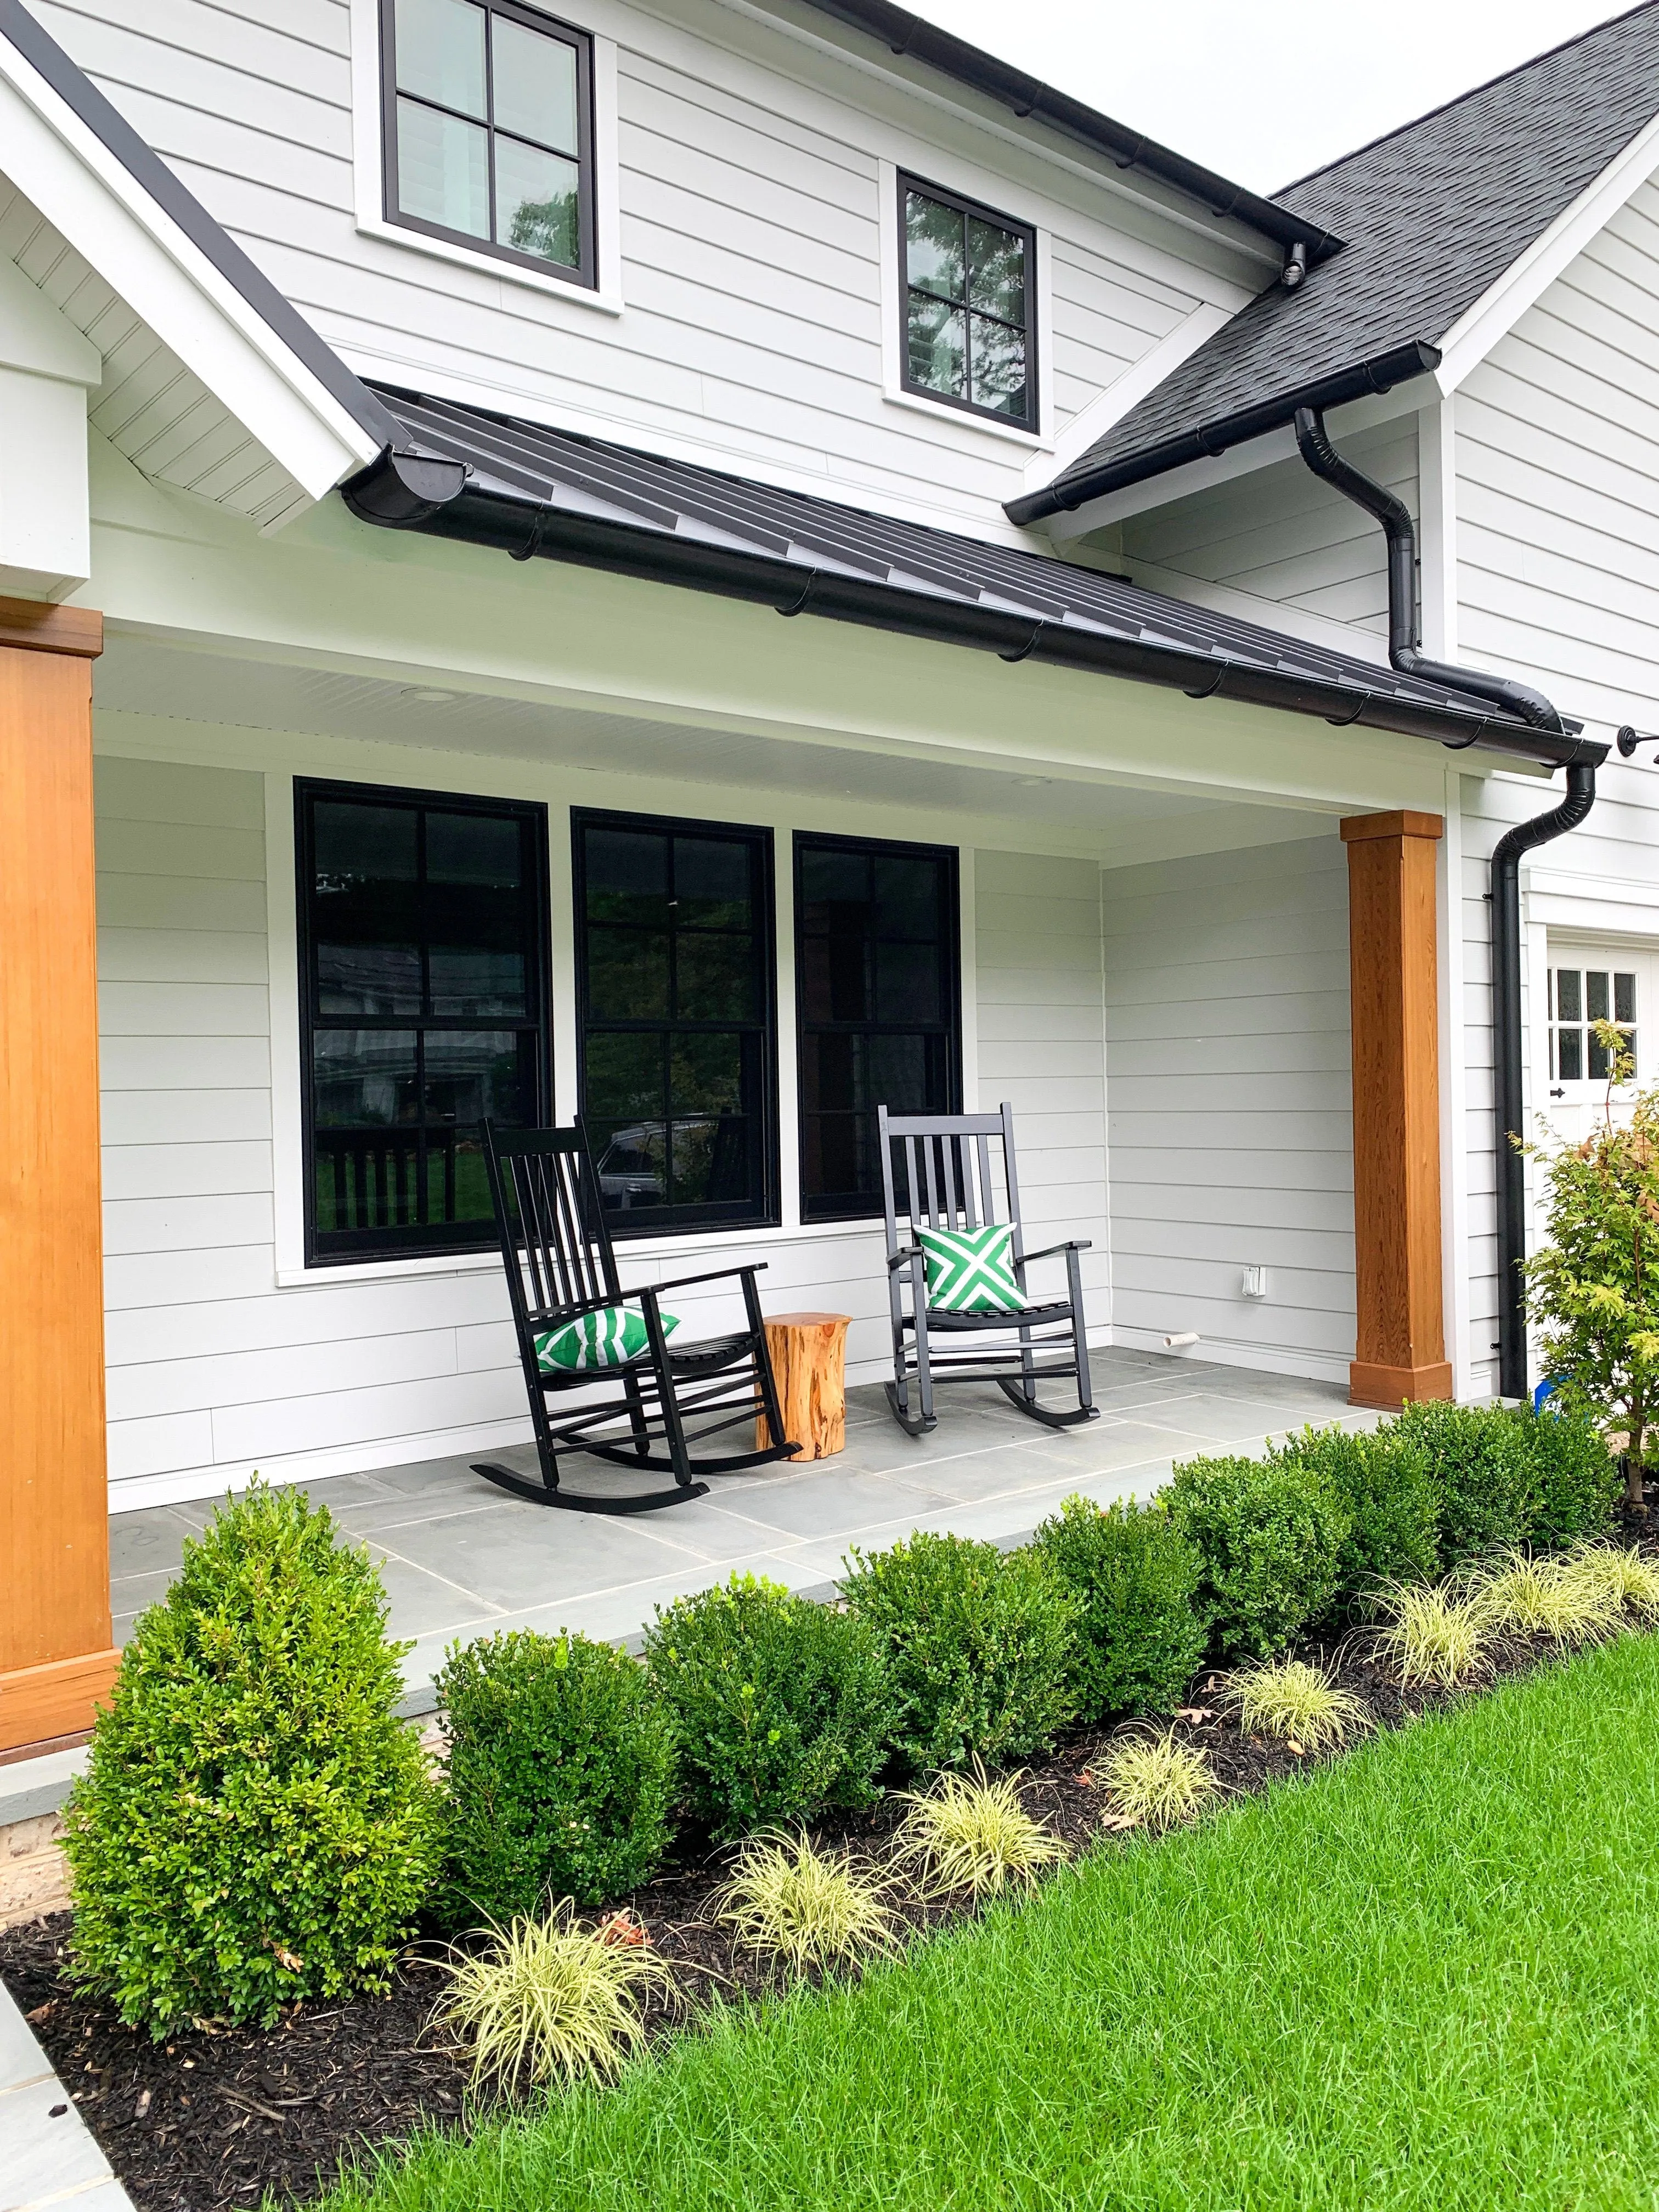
(1531, 707)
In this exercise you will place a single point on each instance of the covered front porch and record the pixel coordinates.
(460, 1560)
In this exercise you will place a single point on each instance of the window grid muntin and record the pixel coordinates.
(758, 1072)
(583, 272)
(943, 1035)
(413, 1238)
(1574, 993)
(969, 209)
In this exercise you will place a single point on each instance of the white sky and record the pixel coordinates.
(1265, 90)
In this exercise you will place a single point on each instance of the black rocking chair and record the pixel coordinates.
(937, 1173)
(649, 1412)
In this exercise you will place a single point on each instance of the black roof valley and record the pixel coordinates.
(1433, 213)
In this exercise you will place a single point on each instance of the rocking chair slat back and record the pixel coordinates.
(543, 1183)
(952, 1171)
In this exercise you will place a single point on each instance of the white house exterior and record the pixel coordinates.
(217, 290)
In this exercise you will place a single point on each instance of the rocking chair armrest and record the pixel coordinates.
(902, 1259)
(713, 1275)
(1050, 1251)
(544, 1318)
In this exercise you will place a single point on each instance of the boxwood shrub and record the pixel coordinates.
(1133, 1576)
(255, 1824)
(1577, 1485)
(1482, 1462)
(1386, 1487)
(980, 1644)
(781, 1707)
(1270, 1533)
(562, 1774)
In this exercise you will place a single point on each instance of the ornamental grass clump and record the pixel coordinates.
(256, 1826)
(1436, 1636)
(1299, 1704)
(969, 1833)
(562, 1773)
(980, 1644)
(1134, 1578)
(805, 1906)
(545, 2000)
(781, 1707)
(1629, 1578)
(1559, 1598)
(1153, 1782)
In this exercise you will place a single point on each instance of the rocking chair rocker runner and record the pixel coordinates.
(936, 1173)
(648, 1412)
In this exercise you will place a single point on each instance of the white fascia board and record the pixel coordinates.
(1241, 460)
(1108, 410)
(1495, 312)
(60, 165)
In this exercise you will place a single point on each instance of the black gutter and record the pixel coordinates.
(1357, 381)
(1030, 99)
(76, 90)
(1322, 458)
(434, 496)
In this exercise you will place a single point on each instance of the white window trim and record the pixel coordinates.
(368, 176)
(893, 392)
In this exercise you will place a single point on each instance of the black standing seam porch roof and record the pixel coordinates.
(1433, 213)
(527, 489)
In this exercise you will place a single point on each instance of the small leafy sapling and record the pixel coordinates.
(1594, 1285)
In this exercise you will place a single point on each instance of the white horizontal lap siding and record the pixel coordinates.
(1231, 1122)
(749, 207)
(212, 1369)
(1041, 1047)
(1280, 535)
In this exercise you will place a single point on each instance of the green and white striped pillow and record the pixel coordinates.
(971, 1270)
(609, 1338)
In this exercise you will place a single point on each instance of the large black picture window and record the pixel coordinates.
(488, 119)
(878, 992)
(424, 1008)
(675, 1003)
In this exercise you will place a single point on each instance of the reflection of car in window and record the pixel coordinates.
(630, 1167)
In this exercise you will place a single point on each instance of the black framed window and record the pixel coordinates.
(879, 990)
(969, 284)
(675, 1012)
(488, 120)
(424, 1008)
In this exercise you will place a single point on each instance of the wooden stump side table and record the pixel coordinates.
(809, 1363)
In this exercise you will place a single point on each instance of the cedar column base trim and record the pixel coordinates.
(57, 1699)
(1391, 1387)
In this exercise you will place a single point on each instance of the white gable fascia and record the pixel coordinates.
(60, 165)
(1106, 411)
(1498, 309)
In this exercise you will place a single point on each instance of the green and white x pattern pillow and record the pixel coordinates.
(971, 1270)
(609, 1338)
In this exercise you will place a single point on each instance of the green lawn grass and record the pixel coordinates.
(1425, 1977)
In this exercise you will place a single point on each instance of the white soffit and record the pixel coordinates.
(199, 390)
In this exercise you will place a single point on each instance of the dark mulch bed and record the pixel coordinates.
(211, 2119)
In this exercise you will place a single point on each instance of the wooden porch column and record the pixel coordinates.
(55, 1655)
(1401, 1351)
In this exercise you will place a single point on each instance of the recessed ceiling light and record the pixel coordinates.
(425, 698)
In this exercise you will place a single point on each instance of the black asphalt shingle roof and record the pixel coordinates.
(528, 488)
(1433, 213)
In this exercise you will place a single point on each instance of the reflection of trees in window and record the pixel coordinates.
(967, 305)
(674, 984)
(877, 988)
(422, 925)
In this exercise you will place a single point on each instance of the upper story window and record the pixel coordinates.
(423, 1008)
(489, 111)
(968, 311)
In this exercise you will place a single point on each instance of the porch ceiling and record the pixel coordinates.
(1055, 810)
